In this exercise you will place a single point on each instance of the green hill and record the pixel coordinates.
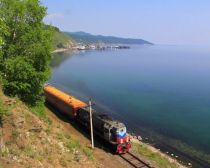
(83, 37)
(61, 40)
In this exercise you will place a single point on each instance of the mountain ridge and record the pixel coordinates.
(84, 37)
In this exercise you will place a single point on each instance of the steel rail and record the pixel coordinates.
(135, 161)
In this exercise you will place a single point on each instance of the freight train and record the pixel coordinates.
(112, 131)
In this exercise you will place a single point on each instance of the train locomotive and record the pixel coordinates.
(112, 131)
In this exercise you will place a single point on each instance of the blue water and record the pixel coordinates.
(163, 88)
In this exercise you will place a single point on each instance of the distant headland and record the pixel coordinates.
(83, 37)
(63, 41)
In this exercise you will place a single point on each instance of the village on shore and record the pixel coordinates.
(95, 46)
(98, 46)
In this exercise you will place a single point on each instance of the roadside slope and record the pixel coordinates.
(28, 141)
(45, 141)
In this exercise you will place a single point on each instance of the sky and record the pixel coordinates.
(172, 22)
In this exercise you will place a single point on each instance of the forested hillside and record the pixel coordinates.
(61, 40)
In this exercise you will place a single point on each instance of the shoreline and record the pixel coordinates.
(173, 148)
(157, 151)
(61, 50)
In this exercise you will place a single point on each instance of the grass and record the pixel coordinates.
(4, 110)
(40, 111)
(73, 145)
(39, 158)
(88, 152)
(156, 157)
(4, 152)
(15, 151)
(15, 133)
(30, 152)
(60, 136)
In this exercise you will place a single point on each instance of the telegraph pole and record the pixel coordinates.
(91, 124)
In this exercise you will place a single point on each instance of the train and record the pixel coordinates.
(112, 131)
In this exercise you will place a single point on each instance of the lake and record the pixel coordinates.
(160, 92)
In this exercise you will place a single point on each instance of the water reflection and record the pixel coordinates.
(59, 58)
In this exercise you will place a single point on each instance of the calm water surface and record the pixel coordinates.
(162, 88)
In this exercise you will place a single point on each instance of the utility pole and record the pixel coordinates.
(91, 124)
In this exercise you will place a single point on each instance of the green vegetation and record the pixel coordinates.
(15, 133)
(30, 152)
(26, 46)
(3, 32)
(60, 39)
(40, 111)
(153, 156)
(3, 111)
(88, 152)
(73, 145)
(4, 152)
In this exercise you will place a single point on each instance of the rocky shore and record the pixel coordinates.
(137, 142)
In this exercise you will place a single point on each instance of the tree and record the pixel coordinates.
(26, 55)
(2, 32)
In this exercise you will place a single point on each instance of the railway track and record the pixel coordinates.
(134, 161)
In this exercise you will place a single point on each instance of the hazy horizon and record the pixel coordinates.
(160, 22)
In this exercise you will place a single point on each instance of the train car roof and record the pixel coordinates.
(104, 117)
(66, 98)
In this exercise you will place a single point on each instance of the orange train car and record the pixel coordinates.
(62, 101)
